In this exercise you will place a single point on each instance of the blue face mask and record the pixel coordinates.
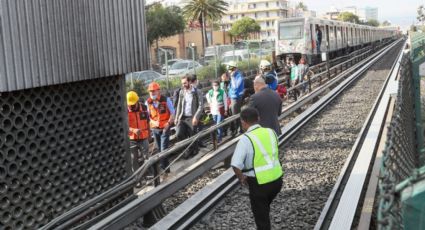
(153, 97)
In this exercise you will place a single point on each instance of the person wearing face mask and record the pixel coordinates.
(270, 76)
(217, 99)
(138, 130)
(225, 82)
(224, 85)
(294, 78)
(256, 164)
(236, 92)
(268, 103)
(161, 114)
(189, 110)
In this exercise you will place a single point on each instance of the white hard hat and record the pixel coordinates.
(232, 64)
(264, 64)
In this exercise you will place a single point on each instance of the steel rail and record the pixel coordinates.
(143, 204)
(194, 208)
(348, 193)
(77, 213)
(332, 202)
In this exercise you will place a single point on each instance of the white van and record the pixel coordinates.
(237, 56)
(212, 51)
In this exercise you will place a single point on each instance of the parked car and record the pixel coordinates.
(147, 76)
(261, 53)
(183, 67)
(170, 63)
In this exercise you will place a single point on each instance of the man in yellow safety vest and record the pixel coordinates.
(256, 164)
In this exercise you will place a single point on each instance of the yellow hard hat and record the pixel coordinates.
(132, 98)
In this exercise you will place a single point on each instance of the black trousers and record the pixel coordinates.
(261, 196)
(184, 130)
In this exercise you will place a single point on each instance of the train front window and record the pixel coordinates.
(293, 30)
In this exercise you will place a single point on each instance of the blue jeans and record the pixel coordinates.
(218, 119)
(162, 139)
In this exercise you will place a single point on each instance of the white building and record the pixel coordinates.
(364, 14)
(351, 9)
(265, 12)
(293, 12)
(368, 13)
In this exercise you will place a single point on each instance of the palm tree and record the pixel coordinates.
(302, 6)
(203, 10)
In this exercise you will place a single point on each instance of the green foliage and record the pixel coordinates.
(302, 6)
(175, 82)
(373, 22)
(208, 72)
(421, 14)
(386, 23)
(163, 21)
(205, 10)
(137, 86)
(212, 10)
(348, 17)
(243, 27)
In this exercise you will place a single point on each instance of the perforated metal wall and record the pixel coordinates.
(59, 146)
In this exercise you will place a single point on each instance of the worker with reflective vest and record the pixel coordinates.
(161, 114)
(256, 164)
(138, 130)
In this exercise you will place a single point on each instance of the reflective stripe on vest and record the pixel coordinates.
(160, 113)
(266, 163)
(138, 120)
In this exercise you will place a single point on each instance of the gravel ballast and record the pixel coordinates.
(312, 160)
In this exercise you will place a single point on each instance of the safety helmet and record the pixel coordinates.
(154, 86)
(231, 64)
(264, 64)
(132, 98)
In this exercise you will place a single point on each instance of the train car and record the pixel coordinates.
(297, 37)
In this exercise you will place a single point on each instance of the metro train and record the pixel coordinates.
(297, 37)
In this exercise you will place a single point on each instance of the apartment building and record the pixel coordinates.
(265, 12)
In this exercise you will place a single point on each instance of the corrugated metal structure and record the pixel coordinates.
(63, 118)
(47, 42)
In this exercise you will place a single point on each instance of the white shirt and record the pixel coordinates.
(214, 108)
(243, 156)
(188, 98)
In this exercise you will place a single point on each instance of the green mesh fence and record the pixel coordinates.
(400, 156)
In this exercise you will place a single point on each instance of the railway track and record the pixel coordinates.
(189, 180)
(312, 161)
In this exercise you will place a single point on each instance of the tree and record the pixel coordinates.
(421, 14)
(243, 27)
(163, 22)
(203, 11)
(348, 17)
(301, 6)
(372, 22)
(386, 23)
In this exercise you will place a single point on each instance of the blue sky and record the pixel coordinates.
(402, 13)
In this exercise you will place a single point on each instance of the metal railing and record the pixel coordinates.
(144, 203)
(92, 205)
(400, 156)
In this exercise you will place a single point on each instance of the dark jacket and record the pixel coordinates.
(319, 35)
(197, 104)
(269, 106)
